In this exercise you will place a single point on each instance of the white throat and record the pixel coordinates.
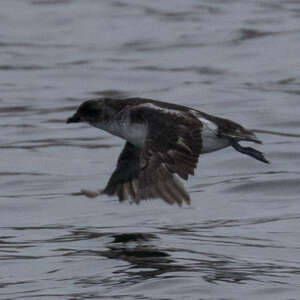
(131, 132)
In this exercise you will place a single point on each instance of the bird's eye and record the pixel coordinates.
(91, 112)
(92, 115)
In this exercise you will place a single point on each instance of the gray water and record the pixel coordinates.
(240, 237)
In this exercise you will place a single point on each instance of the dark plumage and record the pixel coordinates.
(163, 143)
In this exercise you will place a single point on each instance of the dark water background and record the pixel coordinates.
(239, 239)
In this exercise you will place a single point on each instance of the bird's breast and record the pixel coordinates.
(211, 141)
(134, 133)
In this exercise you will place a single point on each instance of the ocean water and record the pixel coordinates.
(239, 238)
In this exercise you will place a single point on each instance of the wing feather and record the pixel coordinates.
(171, 150)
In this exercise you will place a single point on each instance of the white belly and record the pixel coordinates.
(133, 133)
(210, 139)
(211, 142)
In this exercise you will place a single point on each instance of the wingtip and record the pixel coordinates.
(266, 161)
(188, 200)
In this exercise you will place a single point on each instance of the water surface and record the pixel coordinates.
(240, 236)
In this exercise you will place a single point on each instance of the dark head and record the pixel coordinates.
(90, 111)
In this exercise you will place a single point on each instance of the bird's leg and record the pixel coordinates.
(249, 151)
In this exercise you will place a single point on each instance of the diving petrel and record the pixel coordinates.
(163, 143)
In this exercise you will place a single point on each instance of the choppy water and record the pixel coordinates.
(239, 239)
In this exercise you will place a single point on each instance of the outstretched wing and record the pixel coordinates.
(123, 181)
(170, 151)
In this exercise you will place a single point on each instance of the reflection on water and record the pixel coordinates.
(137, 257)
(240, 236)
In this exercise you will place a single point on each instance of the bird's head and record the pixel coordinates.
(91, 111)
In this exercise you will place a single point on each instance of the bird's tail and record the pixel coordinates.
(250, 151)
(243, 135)
(236, 133)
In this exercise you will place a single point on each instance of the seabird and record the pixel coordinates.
(163, 144)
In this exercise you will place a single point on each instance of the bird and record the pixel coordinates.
(163, 144)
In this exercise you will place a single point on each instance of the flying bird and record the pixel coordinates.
(163, 144)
